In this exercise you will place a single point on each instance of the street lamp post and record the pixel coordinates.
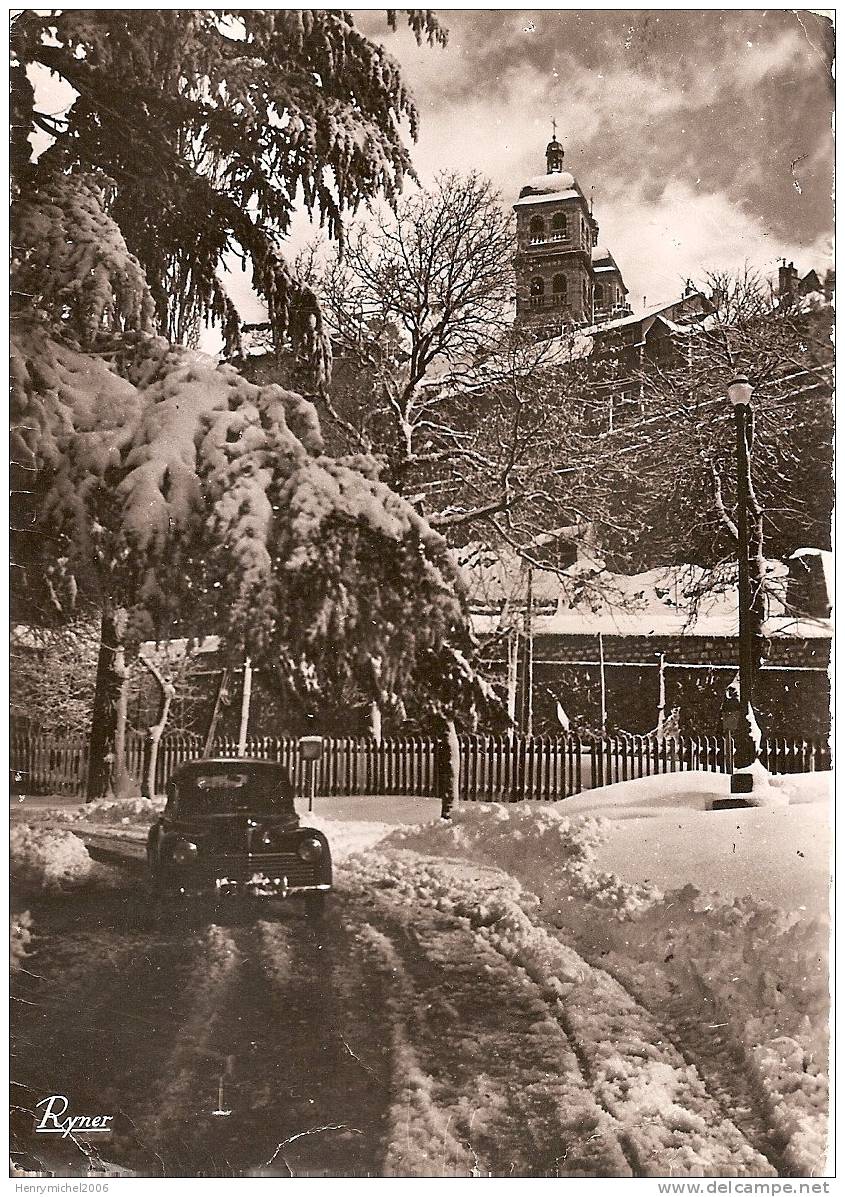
(745, 751)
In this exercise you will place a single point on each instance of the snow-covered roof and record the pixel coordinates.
(559, 180)
(657, 310)
(658, 602)
(601, 253)
(548, 197)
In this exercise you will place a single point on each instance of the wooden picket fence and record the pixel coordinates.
(493, 768)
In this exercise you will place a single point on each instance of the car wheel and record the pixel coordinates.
(315, 905)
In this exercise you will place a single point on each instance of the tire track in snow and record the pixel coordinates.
(211, 981)
(330, 1091)
(484, 1081)
(666, 1119)
(102, 1021)
(704, 1039)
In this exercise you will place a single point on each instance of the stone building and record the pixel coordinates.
(564, 278)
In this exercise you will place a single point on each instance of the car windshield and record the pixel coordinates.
(229, 791)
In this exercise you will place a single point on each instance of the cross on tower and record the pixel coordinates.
(554, 129)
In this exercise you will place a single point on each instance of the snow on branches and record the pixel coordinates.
(70, 260)
(172, 489)
(233, 116)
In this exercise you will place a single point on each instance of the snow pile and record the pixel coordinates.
(113, 812)
(20, 937)
(553, 854)
(51, 860)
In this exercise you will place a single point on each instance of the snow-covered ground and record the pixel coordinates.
(677, 957)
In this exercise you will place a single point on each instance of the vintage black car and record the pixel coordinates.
(229, 828)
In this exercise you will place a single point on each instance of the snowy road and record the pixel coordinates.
(144, 1018)
(482, 999)
(428, 1027)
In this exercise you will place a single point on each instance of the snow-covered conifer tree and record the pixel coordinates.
(162, 488)
(213, 125)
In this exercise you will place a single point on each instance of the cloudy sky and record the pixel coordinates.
(705, 135)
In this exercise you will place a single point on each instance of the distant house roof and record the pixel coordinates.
(658, 602)
(663, 312)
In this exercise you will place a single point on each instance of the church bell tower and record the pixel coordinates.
(557, 261)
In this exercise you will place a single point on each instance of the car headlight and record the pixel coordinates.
(183, 851)
(310, 850)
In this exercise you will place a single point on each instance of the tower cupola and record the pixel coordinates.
(554, 153)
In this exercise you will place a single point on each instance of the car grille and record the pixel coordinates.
(271, 864)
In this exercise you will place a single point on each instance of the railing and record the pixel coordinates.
(504, 768)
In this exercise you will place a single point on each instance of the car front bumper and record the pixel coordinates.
(278, 876)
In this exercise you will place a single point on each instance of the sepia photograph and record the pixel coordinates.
(421, 596)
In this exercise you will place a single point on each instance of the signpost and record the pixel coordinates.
(311, 751)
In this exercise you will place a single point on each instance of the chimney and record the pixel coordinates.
(787, 282)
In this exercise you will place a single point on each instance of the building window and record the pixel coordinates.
(537, 229)
(559, 226)
(586, 295)
(598, 291)
(559, 290)
(538, 288)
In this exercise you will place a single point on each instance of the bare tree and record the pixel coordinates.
(410, 301)
(673, 464)
(51, 674)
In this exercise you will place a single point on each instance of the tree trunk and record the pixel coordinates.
(449, 772)
(246, 700)
(528, 658)
(122, 784)
(375, 722)
(167, 693)
(661, 694)
(109, 708)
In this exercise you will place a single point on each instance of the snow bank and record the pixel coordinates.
(657, 1102)
(660, 829)
(757, 969)
(20, 937)
(51, 860)
(551, 853)
(642, 797)
(113, 812)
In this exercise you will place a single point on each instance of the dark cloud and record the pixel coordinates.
(733, 102)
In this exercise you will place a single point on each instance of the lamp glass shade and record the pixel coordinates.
(739, 392)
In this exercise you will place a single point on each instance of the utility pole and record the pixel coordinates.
(528, 658)
(602, 686)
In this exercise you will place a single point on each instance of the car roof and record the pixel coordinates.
(201, 762)
(242, 762)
